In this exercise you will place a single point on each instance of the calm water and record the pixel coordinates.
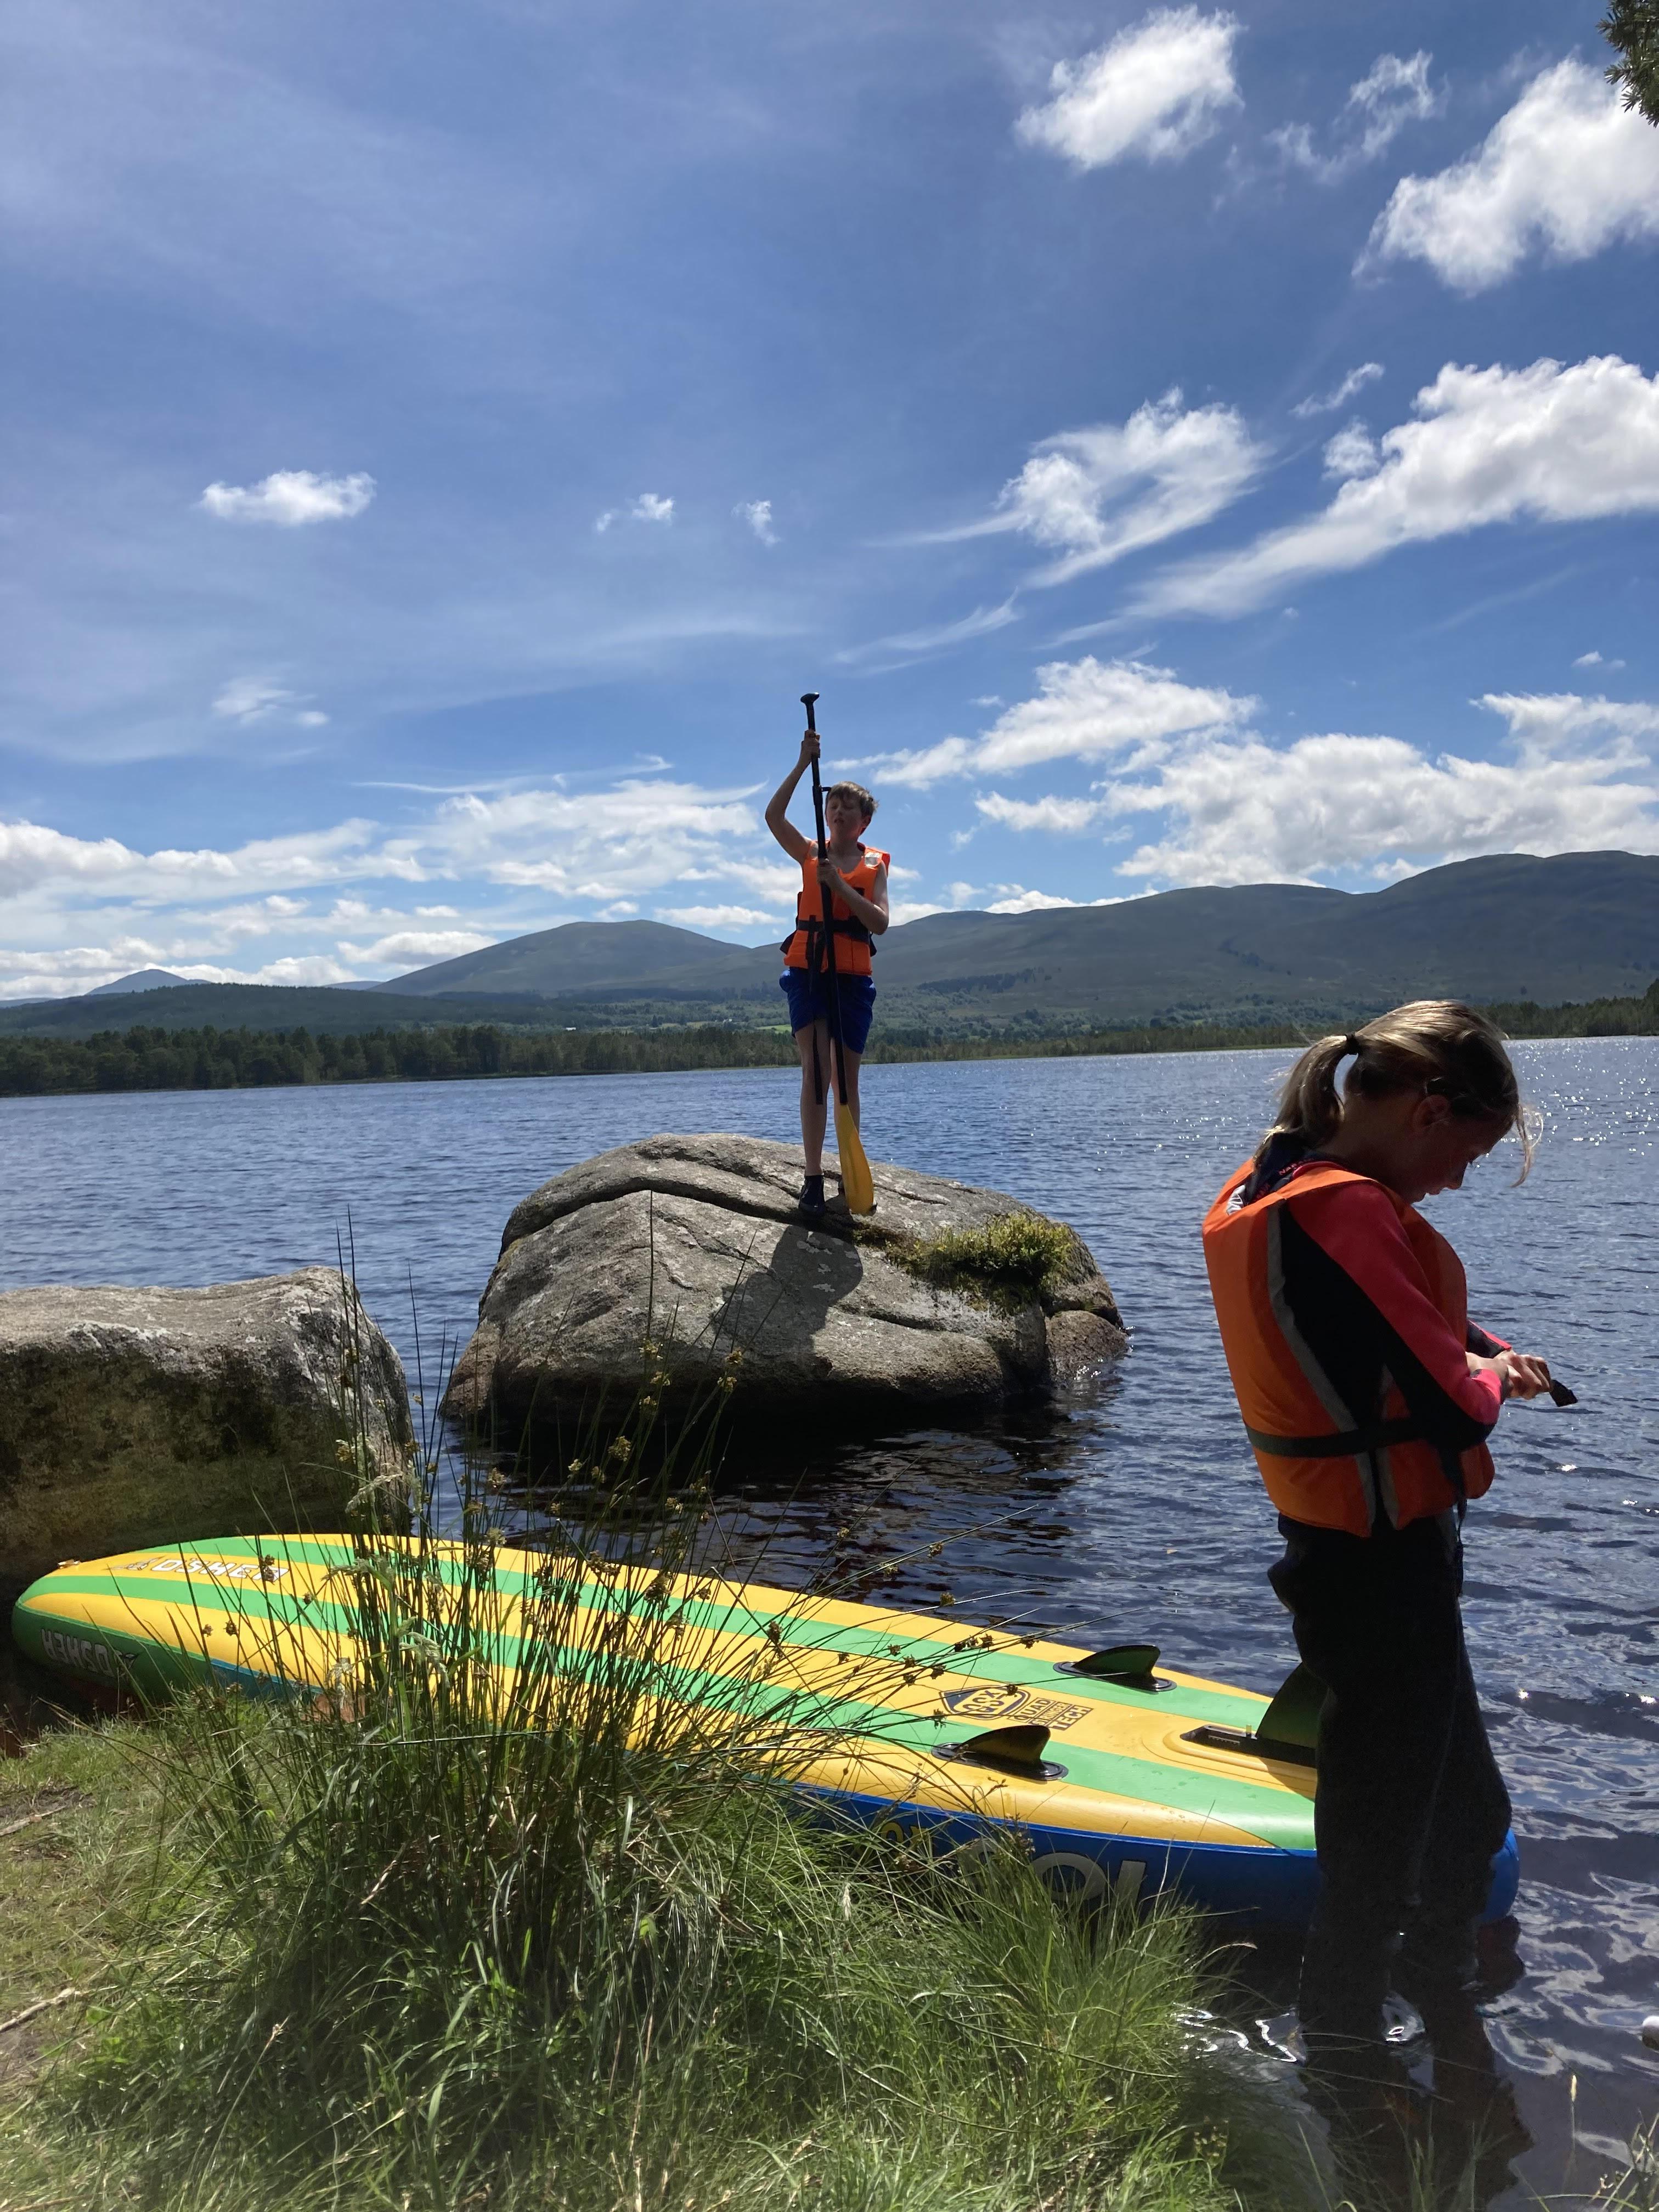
(1138, 1516)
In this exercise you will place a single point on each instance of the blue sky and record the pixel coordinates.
(442, 441)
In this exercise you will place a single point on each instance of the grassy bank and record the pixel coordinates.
(438, 1937)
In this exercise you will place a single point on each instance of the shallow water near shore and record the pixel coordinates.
(1134, 1515)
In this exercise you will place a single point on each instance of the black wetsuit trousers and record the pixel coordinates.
(1411, 1805)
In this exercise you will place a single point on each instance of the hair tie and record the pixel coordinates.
(1351, 1043)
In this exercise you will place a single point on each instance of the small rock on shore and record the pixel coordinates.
(159, 1416)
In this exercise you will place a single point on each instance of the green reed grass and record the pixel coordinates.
(438, 1935)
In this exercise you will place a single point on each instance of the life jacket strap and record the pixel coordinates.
(813, 926)
(1337, 1443)
(1362, 1444)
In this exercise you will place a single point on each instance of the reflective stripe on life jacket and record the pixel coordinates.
(803, 947)
(1324, 1463)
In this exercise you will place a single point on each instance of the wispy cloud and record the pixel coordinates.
(1546, 444)
(291, 498)
(1568, 170)
(1354, 381)
(979, 623)
(1392, 93)
(647, 507)
(757, 514)
(1156, 91)
(1095, 495)
(246, 700)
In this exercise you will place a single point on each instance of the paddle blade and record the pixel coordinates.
(858, 1185)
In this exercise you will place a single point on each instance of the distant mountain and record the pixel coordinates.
(1578, 925)
(143, 978)
(588, 959)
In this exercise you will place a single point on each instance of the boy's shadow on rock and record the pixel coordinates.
(773, 1313)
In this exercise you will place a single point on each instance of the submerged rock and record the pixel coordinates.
(155, 1416)
(947, 1299)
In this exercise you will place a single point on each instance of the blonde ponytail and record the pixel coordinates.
(1433, 1044)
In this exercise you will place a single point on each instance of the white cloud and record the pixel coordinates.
(1236, 810)
(1549, 726)
(290, 497)
(1096, 494)
(757, 514)
(1065, 816)
(1392, 93)
(1351, 453)
(1017, 900)
(246, 700)
(647, 507)
(1156, 91)
(1087, 709)
(1546, 444)
(1568, 170)
(1240, 811)
(717, 917)
(598, 853)
(1355, 381)
(413, 948)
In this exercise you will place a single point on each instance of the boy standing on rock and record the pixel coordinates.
(856, 875)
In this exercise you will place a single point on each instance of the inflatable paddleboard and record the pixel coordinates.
(1119, 1773)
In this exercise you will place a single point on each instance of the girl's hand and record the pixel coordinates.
(1523, 1374)
(1520, 1374)
(809, 748)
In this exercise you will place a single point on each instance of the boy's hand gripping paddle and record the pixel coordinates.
(857, 1183)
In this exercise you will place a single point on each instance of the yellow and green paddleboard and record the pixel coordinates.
(1120, 1773)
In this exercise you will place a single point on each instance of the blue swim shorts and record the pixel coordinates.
(809, 1002)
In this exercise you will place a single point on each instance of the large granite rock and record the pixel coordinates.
(155, 1416)
(693, 1244)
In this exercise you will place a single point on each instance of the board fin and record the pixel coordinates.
(1287, 1731)
(1293, 1716)
(1018, 1748)
(1130, 1664)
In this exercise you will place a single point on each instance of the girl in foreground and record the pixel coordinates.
(1368, 1396)
(857, 876)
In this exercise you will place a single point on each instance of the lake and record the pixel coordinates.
(1138, 1516)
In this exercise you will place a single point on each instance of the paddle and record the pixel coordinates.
(857, 1184)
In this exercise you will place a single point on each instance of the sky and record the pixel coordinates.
(443, 440)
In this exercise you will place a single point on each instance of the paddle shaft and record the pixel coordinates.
(809, 700)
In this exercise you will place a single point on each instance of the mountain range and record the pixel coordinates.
(1511, 926)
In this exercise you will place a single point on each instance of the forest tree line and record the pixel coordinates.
(146, 1057)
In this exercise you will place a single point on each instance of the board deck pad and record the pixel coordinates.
(929, 1725)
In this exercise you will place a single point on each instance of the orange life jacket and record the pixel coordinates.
(1324, 1463)
(804, 948)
